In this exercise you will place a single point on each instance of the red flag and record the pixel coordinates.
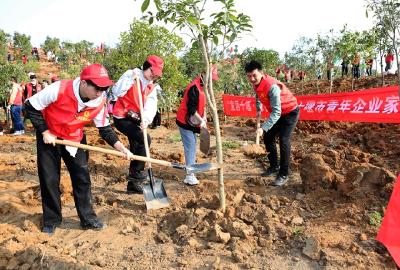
(389, 232)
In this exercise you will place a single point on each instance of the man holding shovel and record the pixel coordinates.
(284, 114)
(127, 117)
(61, 111)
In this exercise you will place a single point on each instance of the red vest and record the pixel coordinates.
(130, 101)
(288, 100)
(62, 116)
(29, 89)
(18, 97)
(182, 111)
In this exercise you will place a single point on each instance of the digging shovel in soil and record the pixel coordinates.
(155, 195)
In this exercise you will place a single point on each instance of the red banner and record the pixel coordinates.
(389, 232)
(372, 105)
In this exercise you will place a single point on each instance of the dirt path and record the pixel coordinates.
(321, 220)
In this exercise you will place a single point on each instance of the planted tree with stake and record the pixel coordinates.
(217, 29)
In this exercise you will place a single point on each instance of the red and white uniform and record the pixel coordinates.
(127, 97)
(65, 113)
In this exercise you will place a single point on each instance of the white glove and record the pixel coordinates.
(49, 138)
(203, 124)
(128, 154)
(144, 124)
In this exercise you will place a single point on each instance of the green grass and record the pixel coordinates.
(230, 145)
(297, 231)
(375, 219)
(175, 138)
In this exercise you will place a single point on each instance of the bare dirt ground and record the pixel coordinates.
(324, 218)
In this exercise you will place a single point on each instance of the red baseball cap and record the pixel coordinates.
(157, 64)
(97, 74)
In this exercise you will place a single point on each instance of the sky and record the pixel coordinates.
(276, 24)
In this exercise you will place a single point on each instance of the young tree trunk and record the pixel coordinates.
(382, 74)
(208, 89)
(331, 81)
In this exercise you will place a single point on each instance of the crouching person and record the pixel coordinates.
(61, 111)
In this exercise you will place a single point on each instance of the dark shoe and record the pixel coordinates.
(280, 180)
(135, 186)
(93, 224)
(137, 176)
(270, 171)
(49, 229)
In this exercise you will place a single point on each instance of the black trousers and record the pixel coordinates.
(49, 167)
(157, 120)
(345, 69)
(134, 133)
(356, 71)
(284, 128)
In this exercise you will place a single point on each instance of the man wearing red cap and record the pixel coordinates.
(61, 111)
(190, 117)
(126, 113)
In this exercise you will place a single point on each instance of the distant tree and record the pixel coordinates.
(192, 61)
(51, 44)
(387, 15)
(3, 46)
(268, 58)
(22, 44)
(8, 70)
(133, 50)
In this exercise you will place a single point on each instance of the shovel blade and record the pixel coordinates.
(205, 141)
(202, 167)
(156, 196)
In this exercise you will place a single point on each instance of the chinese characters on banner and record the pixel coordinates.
(373, 105)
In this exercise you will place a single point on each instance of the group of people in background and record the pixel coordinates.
(18, 93)
(286, 74)
(360, 67)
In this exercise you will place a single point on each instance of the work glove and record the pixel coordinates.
(49, 138)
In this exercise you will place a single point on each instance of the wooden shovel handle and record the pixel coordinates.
(146, 143)
(112, 152)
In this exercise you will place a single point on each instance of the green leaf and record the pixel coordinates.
(215, 40)
(158, 4)
(151, 20)
(145, 5)
(192, 20)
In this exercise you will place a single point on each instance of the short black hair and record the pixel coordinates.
(90, 83)
(32, 77)
(252, 65)
(14, 79)
(146, 65)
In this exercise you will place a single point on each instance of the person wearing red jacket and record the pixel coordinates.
(61, 111)
(32, 87)
(190, 117)
(389, 58)
(126, 113)
(284, 114)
